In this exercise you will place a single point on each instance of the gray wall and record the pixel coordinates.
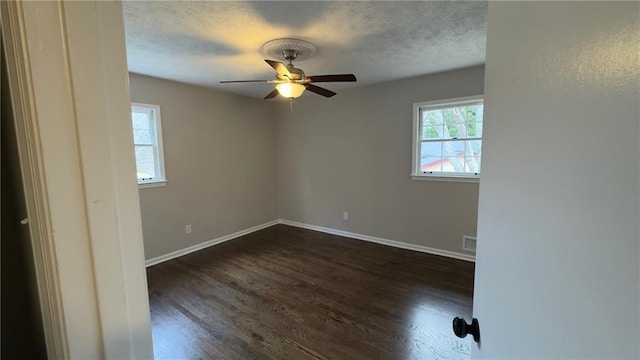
(220, 164)
(353, 153)
(558, 235)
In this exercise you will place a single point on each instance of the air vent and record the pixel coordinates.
(469, 243)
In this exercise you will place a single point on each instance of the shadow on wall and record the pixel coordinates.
(22, 332)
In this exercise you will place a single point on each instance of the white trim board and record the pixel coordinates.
(397, 244)
(206, 244)
(377, 240)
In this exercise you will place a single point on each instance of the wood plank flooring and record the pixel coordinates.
(290, 293)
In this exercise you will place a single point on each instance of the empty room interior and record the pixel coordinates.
(307, 227)
(320, 180)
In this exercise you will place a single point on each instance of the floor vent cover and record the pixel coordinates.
(469, 243)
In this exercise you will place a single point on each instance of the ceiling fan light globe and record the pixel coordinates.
(290, 90)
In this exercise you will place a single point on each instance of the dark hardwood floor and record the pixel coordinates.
(290, 293)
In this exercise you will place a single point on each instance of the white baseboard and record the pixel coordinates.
(206, 244)
(398, 244)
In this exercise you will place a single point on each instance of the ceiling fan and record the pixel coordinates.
(292, 81)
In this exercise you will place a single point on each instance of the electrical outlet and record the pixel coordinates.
(187, 229)
(345, 216)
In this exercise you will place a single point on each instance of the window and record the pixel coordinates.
(447, 141)
(147, 141)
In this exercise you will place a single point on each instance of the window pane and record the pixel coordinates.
(459, 115)
(144, 153)
(430, 131)
(471, 165)
(431, 148)
(452, 148)
(447, 115)
(431, 164)
(432, 117)
(452, 131)
(146, 170)
(453, 152)
(472, 156)
(453, 164)
(474, 129)
(142, 136)
(479, 112)
(140, 120)
(474, 147)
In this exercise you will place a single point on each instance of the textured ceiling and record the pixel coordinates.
(204, 42)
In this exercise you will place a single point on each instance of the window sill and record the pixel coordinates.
(152, 184)
(461, 179)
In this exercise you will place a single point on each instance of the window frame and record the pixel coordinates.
(158, 146)
(416, 173)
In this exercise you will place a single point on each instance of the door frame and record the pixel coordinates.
(69, 86)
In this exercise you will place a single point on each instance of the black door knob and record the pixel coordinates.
(461, 328)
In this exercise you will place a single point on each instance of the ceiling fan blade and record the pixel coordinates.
(280, 68)
(332, 78)
(272, 94)
(244, 81)
(318, 90)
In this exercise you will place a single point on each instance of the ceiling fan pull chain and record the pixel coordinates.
(291, 103)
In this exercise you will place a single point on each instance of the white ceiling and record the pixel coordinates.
(202, 43)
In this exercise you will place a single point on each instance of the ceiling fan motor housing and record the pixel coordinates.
(296, 74)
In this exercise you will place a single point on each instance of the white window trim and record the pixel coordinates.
(162, 179)
(152, 184)
(415, 158)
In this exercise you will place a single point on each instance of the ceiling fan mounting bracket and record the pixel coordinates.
(289, 49)
(290, 55)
